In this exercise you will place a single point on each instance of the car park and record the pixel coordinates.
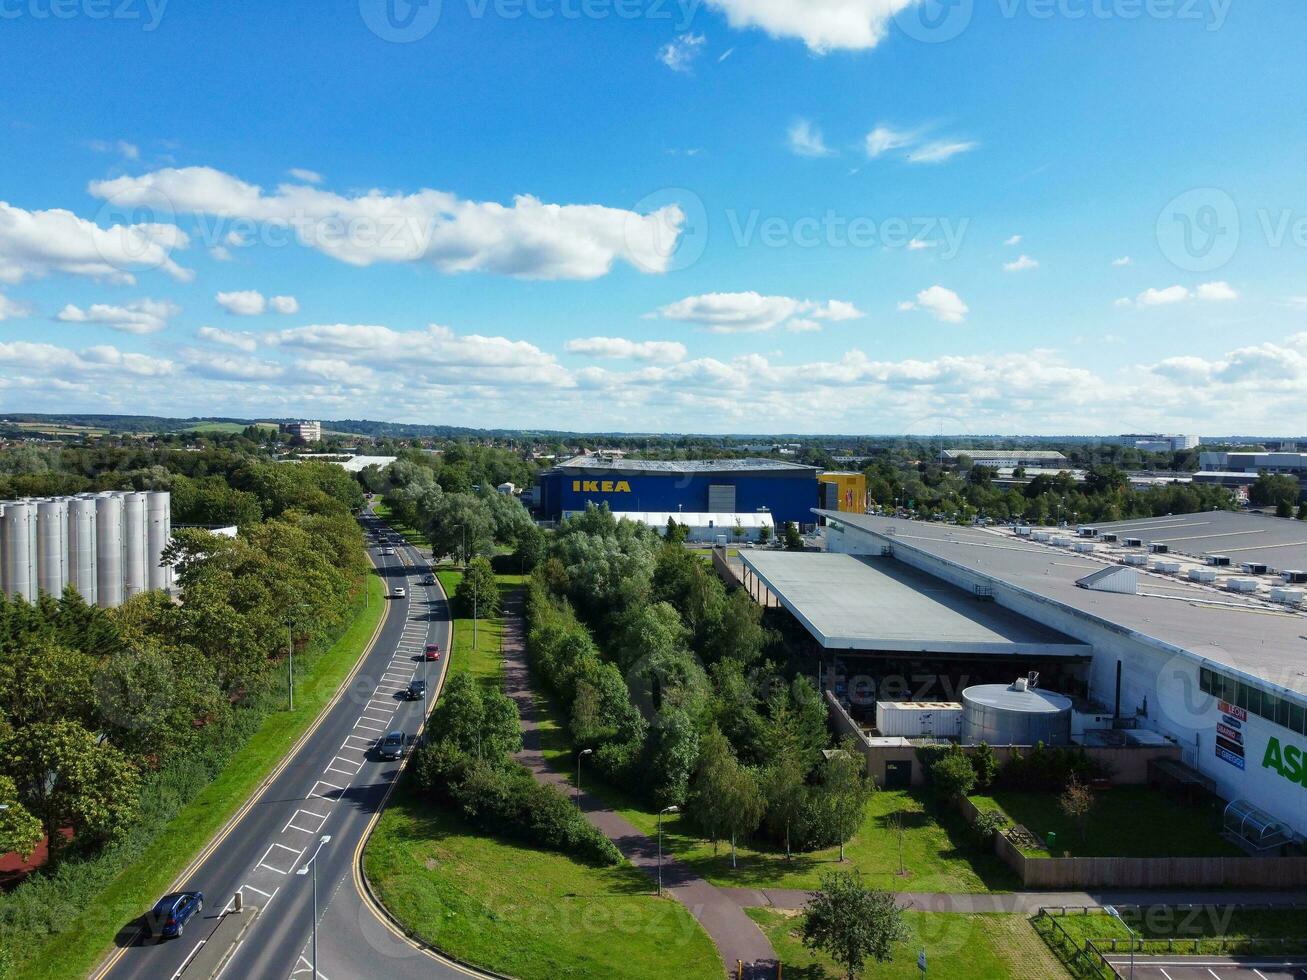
(170, 914)
(432, 652)
(392, 746)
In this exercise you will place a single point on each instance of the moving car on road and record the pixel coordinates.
(399, 592)
(392, 746)
(171, 913)
(416, 689)
(432, 652)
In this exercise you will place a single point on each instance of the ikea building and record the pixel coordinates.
(788, 491)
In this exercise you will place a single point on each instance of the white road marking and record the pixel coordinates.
(189, 956)
(338, 760)
(367, 744)
(291, 824)
(314, 794)
(306, 968)
(263, 861)
(234, 950)
(369, 728)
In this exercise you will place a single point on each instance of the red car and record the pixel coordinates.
(433, 651)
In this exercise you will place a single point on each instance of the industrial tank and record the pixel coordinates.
(52, 546)
(109, 550)
(135, 548)
(81, 546)
(1014, 714)
(15, 554)
(158, 534)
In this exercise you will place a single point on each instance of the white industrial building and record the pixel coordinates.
(108, 546)
(1006, 458)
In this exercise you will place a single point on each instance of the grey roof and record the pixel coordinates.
(1048, 454)
(1239, 633)
(850, 603)
(1010, 698)
(1273, 541)
(608, 464)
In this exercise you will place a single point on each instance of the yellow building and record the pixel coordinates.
(846, 492)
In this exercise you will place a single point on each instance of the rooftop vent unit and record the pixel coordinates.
(1202, 575)
(1087, 532)
(1157, 548)
(1136, 560)
(1242, 585)
(1293, 576)
(1114, 578)
(1218, 561)
(1166, 567)
(983, 591)
(1254, 568)
(1084, 547)
(1023, 530)
(1290, 597)
(1108, 536)
(1133, 542)
(1042, 536)
(1062, 541)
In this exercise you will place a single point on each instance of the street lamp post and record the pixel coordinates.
(579, 756)
(290, 652)
(312, 866)
(666, 809)
(1115, 913)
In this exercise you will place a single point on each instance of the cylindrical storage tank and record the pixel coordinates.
(52, 546)
(33, 550)
(109, 550)
(158, 517)
(135, 548)
(81, 546)
(17, 555)
(1014, 714)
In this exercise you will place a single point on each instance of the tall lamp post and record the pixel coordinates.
(290, 650)
(1115, 913)
(666, 809)
(579, 756)
(312, 866)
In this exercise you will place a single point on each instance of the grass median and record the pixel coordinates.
(75, 951)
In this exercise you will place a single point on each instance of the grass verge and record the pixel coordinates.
(979, 947)
(482, 660)
(73, 953)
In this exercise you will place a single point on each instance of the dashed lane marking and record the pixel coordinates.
(331, 787)
(280, 858)
(302, 817)
(337, 762)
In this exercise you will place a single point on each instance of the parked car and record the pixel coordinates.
(399, 592)
(392, 746)
(432, 651)
(416, 689)
(171, 913)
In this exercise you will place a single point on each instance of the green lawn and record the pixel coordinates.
(1126, 821)
(226, 428)
(533, 914)
(484, 661)
(939, 853)
(414, 537)
(72, 953)
(978, 947)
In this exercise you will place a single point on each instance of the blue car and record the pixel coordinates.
(171, 913)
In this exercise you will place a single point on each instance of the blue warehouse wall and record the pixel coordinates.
(787, 497)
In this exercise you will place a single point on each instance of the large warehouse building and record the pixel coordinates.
(108, 546)
(1186, 629)
(788, 491)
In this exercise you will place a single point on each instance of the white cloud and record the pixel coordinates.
(1013, 240)
(828, 25)
(1122, 262)
(61, 363)
(916, 245)
(1021, 263)
(529, 239)
(248, 302)
(307, 176)
(128, 151)
(11, 309)
(229, 338)
(937, 151)
(34, 244)
(1217, 292)
(665, 351)
(139, 317)
(1165, 296)
(220, 253)
(884, 139)
(806, 140)
(286, 305)
(941, 303)
(679, 54)
(752, 312)
(232, 367)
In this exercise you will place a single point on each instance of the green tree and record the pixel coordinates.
(675, 752)
(784, 790)
(952, 776)
(742, 804)
(710, 787)
(676, 533)
(986, 764)
(845, 790)
(19, 830)
(1075, 803)
(852, 923)
(480, 723)
(793, 539)
(477, 588)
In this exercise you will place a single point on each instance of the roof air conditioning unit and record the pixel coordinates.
(1219, 561)
(1158, 548)
(1254, 568)
(1133, 542)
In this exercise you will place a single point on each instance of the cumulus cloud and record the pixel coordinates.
(831, 25)
(128, 151)
(1122, 262)
(286, 305)
(307, 176)
(1217, 292)
(679, 53)
(11, 309)
(1208, 292)
(941, 303)
(530, 239)
(752, 312)
(1021, 263)
(248, 302)
(619, 348)
(806, 140)
(229, 338)
(232, 367)
(1013, 240)
(34, 244)
(140, 317)
(63, 363)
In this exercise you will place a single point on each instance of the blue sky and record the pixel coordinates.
(1041, 216)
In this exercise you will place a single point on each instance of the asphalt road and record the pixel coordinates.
(333, 785)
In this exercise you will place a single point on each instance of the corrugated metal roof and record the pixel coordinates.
(609, 464)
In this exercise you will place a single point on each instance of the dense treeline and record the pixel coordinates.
(666, 677)
(111, 720)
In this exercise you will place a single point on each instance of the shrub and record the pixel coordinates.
(985, 762)
(952, 776)
(988, 823)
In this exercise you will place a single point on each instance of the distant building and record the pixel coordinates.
(844, 491)
(307, 431)
(1237, 470)
(1157, 443)
(1000, 458)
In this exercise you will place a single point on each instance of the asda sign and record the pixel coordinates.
(1289, 761)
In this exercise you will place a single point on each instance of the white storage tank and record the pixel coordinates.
(135, 545)
(914, 719)
(1202, 575)
(1015, 714)
(52, 546)
(81, 546)
(158, 534)
(17, 556)
(109, 550)
(1241, 584)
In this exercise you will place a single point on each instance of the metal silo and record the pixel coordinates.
(33, 550)
(17, 555)
(1014, 714)
(81, 546)
(158, 534)
(109, 550)
(52, 545)
(135, 577)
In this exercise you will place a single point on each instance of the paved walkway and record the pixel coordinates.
(734, 934)
(1028, 903)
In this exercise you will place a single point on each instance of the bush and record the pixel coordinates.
(1048, 770)
(477, 591)
(988, 823)
(952, 776)
(985, 762)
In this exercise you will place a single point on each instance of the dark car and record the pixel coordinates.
(416, 689)
(432, 651)
(392, 746)
(171, 913)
